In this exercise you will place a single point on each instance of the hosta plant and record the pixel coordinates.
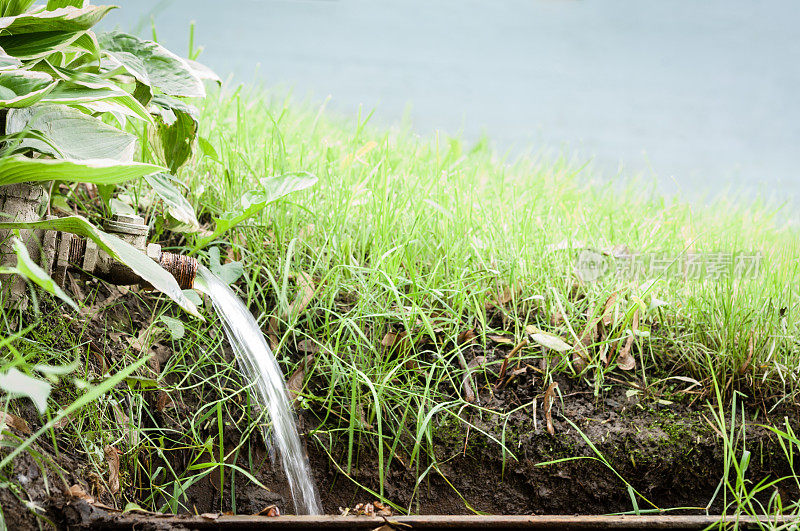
(75, 107)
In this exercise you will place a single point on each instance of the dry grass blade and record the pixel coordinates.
(750, 349)
(549, 398)
(502, 340)
(522, 344)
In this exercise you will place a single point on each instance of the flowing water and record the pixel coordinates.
(260, 367)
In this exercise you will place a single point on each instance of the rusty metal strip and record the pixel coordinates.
(430, 522)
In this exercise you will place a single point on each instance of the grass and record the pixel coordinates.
(407, 253)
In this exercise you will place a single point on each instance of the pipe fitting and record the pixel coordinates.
(64, 251)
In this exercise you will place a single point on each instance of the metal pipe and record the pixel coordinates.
(99, 519)
(63, 251)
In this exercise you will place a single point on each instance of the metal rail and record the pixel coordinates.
(112, 522)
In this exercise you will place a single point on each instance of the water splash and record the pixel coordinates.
(259, 365)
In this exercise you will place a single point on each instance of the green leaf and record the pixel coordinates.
(40, 33)
(21, 88)
(177, 130)
(177, 205)
(28, 269)
(207, 149)
(55, 4)
(133, 66)
(12, 8)
(175, 327)
(167, 72)
(62, 20)
(7, 62)
(118, 249)
(255, 201)
(204, 72)
(19, 169)
(228, 273)
(37, 45)
(76, 135)
(82, 87)
(16, 384)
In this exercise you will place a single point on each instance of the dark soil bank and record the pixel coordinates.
(671, 455)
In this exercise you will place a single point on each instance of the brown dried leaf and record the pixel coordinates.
(273, 332)
(608, 313)
(305, 293)
(165, 401)
(76, 491)
(210, 516)
(62, 422)
(549, 398)
(270, 511)
(383, 510)
(112, 456)
(466, 337)
(389, 339)
(308, 346)
(13, 421)
(143, 339)
(295, 383)
(161, 355)
(625, 360)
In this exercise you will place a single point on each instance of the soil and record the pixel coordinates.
(670, 452)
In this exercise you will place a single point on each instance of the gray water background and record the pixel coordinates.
(698, 96)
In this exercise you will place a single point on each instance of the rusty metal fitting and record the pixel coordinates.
(183, 268)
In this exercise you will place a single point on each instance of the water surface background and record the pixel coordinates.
(696, 96)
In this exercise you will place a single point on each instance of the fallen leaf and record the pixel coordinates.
(112, 456)
(466, 337)
(389, 339)
(625, 360)
(549, 398)
(503, 340)
(143, 339)
(13, 421)
(550, 341)
(308, 346)
(305, 293)
(608, 314)
(76, 491)
(295, 383)
(273, 332)
(210, 516)
(270, 511)
(161, 355)
(383, 510)
(505, 296)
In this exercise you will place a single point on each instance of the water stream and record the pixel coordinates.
(259, 365)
